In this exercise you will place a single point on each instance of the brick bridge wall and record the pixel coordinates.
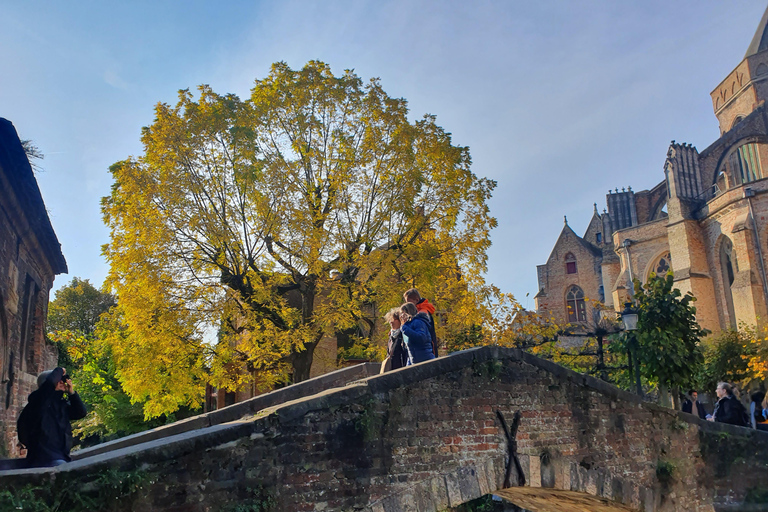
(427, 437)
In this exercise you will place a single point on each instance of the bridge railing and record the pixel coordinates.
(233, 412)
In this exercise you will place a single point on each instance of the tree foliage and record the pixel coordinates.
(668, 351)
(77, 307)
(499, 319)
(727, 357)
(111, 413)
(79, 325)
(248, 230)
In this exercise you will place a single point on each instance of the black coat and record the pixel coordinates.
(688, 407)
(730, 410)
(398, 355)
(44, 424)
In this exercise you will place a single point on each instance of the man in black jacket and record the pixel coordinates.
(688, 405)
(44, 424)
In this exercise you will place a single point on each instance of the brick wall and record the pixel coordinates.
(428, 437)
(26, 278)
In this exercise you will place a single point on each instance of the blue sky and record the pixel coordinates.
(558, 100)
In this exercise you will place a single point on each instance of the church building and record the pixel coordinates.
(706, 220)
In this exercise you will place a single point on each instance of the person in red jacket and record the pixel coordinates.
(423, 306)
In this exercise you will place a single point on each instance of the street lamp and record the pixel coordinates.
(629, 317)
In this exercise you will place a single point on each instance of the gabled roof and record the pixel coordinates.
(14, 165)
(568, 231)
(594, 220)
(760, 39)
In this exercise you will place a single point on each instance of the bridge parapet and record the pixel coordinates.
(428, 437)
(239, 410)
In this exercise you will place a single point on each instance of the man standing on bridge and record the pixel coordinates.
(693, 402)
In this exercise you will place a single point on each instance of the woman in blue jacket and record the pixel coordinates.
(415, 329)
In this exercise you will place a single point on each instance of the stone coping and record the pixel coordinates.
(236, 411)
(158, 448)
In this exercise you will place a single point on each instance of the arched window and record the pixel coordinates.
(744, 163)
(728, 268)
(662, 265)
(574, 301)
(570, 264)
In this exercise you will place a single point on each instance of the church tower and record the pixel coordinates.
(746, 86)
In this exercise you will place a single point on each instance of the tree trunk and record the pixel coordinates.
(676, 398)
(664, 395)
(302, 362)
(634, 363)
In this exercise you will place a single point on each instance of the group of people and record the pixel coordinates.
(730, 409)
(412, 336)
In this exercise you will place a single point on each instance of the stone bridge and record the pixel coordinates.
(428, 438)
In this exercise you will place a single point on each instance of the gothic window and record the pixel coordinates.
(29, 307)
(574, 301)
(662, 265)
(599, 237)
(570, 263)
(745, 163)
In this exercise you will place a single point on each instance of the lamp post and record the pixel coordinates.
(629, 317)
(629, 320)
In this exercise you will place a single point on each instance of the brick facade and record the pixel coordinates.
(706, 219)
(30, 257)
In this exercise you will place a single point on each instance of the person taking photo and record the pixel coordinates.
(44, 425)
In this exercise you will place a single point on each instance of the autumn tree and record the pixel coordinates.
(79, 324)
(249, 229)
(728, 357)
(498, 319)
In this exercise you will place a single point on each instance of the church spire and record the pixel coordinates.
(760, 39)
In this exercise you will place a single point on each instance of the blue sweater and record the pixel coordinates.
(417, 339)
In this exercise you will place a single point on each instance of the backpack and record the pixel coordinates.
(741, 412)
(24, 426)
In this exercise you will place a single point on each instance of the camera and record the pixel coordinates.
(66, 377)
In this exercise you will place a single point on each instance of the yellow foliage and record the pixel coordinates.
(248, 230)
